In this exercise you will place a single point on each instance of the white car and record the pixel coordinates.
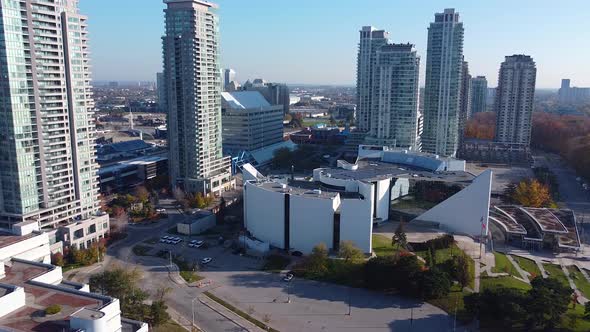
(206, 260)
(191, 245)
(199, 244)
(288, 277)
(163, 240)
(161, 210)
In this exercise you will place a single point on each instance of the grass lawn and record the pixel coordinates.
(578, 324)
(505, 281)
(452, 302)
(382, 245)
(504, 265)
(170, 326)
(555, 271)
(276, 263)
(140, 250)
(443, 255)
(528, 265)
(190, 276)
(578, 278)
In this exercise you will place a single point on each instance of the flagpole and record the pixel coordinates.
(481, 237)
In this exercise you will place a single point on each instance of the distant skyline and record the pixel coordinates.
(315, 42)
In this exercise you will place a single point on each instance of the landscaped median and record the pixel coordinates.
(239, 312)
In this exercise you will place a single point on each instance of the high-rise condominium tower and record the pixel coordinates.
(394, 98)
(479, 94)
(465, 109)
(442, 100)
(48, 169)
(514, 99)
(371, 40)
(192, 78)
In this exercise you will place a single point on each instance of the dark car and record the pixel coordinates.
(297, 253)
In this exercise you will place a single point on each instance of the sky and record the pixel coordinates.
(315, 41)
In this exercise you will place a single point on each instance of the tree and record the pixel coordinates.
(547, 302)
(349, 252)
(282, 158)
(461, 269)
(57, 259)
(399, 238)
(158, 313)
(532, 193)
(317, 260)
(142, 194)
(200, 201)
(434, 284)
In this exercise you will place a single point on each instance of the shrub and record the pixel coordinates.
(441, 242)
(434, 284)
(52, 309)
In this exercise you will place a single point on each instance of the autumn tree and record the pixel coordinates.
(142, 193)
(349, 252)
(532, 193)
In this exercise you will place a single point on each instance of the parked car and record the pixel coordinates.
(199, 244)
(206, 260)
(297, 253)
(288, 277)
(161, 210)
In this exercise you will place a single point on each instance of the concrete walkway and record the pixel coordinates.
(540, 266)
(524, 274)
(232, 316)
(477, 275)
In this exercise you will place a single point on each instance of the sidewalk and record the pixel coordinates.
(232, 316)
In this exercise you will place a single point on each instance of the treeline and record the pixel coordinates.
(567, 135)
(481, 126)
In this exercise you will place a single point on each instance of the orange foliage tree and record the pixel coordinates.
(532, 193)
(481, 126)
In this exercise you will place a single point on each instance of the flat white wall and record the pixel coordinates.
(401, 188)
(198, 226)
(52, 277)
(366, 189)
(12, 301)
(356, 223)
(311, 221)
(33, 249)
(264, 211)
(349, 184)
(383, 199)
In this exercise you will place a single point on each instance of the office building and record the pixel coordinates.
(274, 93)
(48, 169)
(572, 95)
(465, 110)
(161, 92)
(229, 79)
(514, 99)
(479, 94)
(442, 100)
(249, 122)
(393, 112)
(192, 78)
(371, 40)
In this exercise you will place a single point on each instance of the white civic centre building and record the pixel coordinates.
(346, 202)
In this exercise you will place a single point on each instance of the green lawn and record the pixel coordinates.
(579, 324)
(503, 265)
(443, 255)
(382, 246)
(580, 281)
(528, 265)
(555, 271)
(505, 281)
(190, 276)
(140, 250)
(170, 326)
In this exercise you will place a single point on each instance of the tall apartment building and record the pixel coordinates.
(192, 77)
(514, 99)
(572, 95)
(442, 100)
(465, 109)
(161, 92)
(48, 169)
(394, 98)
(479, 94)
(249, 122)
(371, 40)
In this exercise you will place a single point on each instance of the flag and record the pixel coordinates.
(483, 225)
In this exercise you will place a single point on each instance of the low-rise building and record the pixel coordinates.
(346, 202)
(29, 284)
(198, 222)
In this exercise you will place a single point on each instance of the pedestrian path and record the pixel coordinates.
(524, 274)
(541, 268)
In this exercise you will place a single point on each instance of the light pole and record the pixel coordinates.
(193, 312)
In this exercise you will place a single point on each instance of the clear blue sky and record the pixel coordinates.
(315, 41)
